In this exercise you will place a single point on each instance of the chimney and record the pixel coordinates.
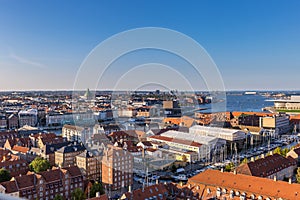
(97, 194)
(262, 155)
(222, 170)
(234, 172)
(156, 181)
(252, 159)
(129, 189)
(290, 180)
(271, 153)
(275, 178)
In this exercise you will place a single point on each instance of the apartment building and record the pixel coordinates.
(12, 121)
(279, 124)
(45, 185)
(16, 167)
(90, 165)
(3, 122)
(7, 135)
(117, 168)
(66, 156)
(76, 133)
(28, 117)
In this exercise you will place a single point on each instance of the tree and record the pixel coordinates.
(97, 187)
(277, 150)
(298, 175)
(229, 167)
(78, 194)
(284, 151)
(245, 161)
(184, 158)
(58, 197)
(39, 165)
(4, 175)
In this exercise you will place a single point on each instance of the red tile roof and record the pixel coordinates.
(20, 149)
(248, 184)
(261, 114)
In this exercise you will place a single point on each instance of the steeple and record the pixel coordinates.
(88, 94)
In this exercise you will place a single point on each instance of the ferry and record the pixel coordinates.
(250, 93)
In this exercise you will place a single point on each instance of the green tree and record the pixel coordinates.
(39, 165)
(229, 167)
(78, 194)
(284, 151)
(4, 175)
(277, 150)
(245, 161)
(184, 158)
(298, 175)
(58, 197)
(97, 187)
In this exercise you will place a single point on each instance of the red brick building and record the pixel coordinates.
(45, 185)
(117, 166)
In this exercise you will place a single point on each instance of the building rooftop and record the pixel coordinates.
(267, 166)
(267, 188)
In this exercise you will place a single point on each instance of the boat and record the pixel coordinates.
(180, 177)
(250, 93)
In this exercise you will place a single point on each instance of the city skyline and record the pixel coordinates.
(254, 45)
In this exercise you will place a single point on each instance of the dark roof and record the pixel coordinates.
(147, 143)
(10, 186)
(51, 148)
(52, 175)
(71, 148)
(73, 171)
(25, 181)
(158, 191)
(267, 166)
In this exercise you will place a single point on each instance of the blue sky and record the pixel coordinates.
(255, 44)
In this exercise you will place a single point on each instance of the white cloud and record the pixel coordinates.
(27, 61)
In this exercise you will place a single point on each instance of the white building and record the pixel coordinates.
(55, 118)
(287, 104)
(28, 117)
(222, 133)
(278, 124)
(76, 133)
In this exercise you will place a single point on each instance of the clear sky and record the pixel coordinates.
(255, 44)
